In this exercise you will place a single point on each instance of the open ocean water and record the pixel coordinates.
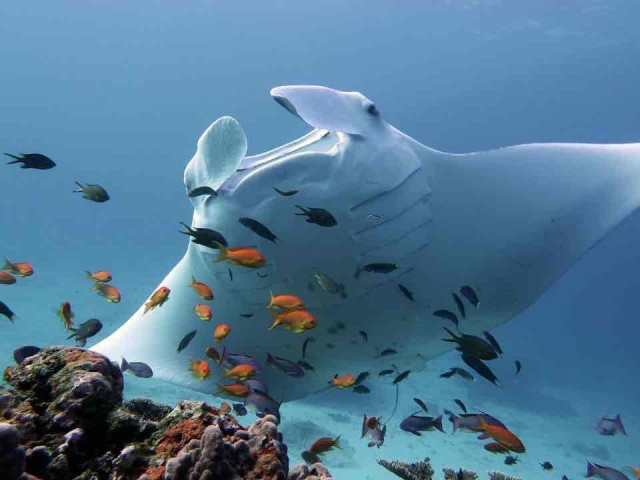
(117, 93)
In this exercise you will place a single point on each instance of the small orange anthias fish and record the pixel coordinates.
(221, 332)
(202, 289)
(203, 311)
(200, 369)
(324, 444)
(285, 302)
(241, 372)
(101, 277)
(66, 315)
(158, 298)
(345, 381)
(111, 293)
(213, 354)
(234, 390)
(501, 435)
(295, 320)
(22, 269)
(244, 256)
(7, 278)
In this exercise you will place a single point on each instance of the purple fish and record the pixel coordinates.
(256, 385)
(605, 473)
(610, 426)
(22, 353)
(231, 360)
(371, 427)
(418, 423)
(262, 403)
(286, 366)
(471, 421)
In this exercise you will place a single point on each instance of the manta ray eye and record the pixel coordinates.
(372, 110)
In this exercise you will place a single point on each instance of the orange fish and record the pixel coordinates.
(501, 435)
(234, 389)
(22, 269)
(213, 354)
(285, 302)
(111, 293)
(495, 447)
(66, 315)
(221, 332)
(636, 470)
(158, 298)
(324, 444)
(203, 311)
(243, 256)
(345, 381)
(201, 289)
(241, 372)
(101, 277)
(295, 320)
(225, 408)
(7, 278)
(200, 369)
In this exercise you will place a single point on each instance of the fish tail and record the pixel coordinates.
(304, 211)
(455, 337)
(7, 264)
(80, 189)
(336, 442)
(224, 252)
(17, 159)
(438, 423)
(147, 307)
(96, 286)
(270, 299)
(223, 357)
(269, 359)
(591, 470)
(618, 421)
(89, 274)
(124, 365)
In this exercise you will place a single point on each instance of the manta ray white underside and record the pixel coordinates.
(507, 222)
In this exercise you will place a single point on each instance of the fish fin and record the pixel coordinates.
(438, 423)
(336, 442)
(124, 365)
(270, 299)
(618, 422)
(224, 252)
(79, 190)
(304, 210)
(452, 334)
(17, 159)
(591, 470)
(7, 264)
(276, 320)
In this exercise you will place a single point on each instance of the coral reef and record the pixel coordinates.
(450, 474)
(501, 476)
(409, 471)
(63, 418)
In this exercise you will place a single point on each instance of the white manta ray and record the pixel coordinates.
(506, 222)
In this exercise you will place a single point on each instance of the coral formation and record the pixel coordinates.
(409, 471)
(461, 474)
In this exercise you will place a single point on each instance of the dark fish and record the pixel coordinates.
(361, 389)
(480, 367)
(22, 353)
(547, 466)
(305, 365)
(459, 303)
(340, 325)
(361, 377)
(246, 315)
(186, 340)
(258, 228)
(230, 360)
(380, 267)
(473, 421)
(610, 426)
(564, 477)
(457, 371)
(262, 275)
(230, 275)
(509, 460)
(6, 311)
(285, 366)
(494, 343)
(461, 405)
(256, 385)
(92, 192)
(468, 293)
(139, 369)
(518, 366)
(472, 345)
(32, 160)
(605, 473)
(406, 292)
(417, 423)
(310, 457)
(364, 335)
(85, 330)
(262, 403)
(304, 346)
(200, 191)
(388, 351)
(421, 404)
(385, 372)
(401, 377)
(239, 409)
(319, 216)
(204, 236)
(288, 193)
(447, 315)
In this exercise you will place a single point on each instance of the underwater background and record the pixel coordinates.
(117, 93)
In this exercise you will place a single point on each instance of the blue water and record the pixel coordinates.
(118, 93)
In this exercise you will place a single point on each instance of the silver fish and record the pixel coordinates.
(139, 369)
(92, 192)
(610, 426)
(328, 284)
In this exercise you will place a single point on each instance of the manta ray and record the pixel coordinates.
(506, 222)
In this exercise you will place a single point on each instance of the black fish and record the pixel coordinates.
(459, 303)
(518, 366)
(461, 405)
(378, 267)
(494, 343)
(388, 351)
(204, 236)
(285, 366)
(258, 228)
(239, 409)
(472, 345)
(230, 275)
(457, 371)
(200, 191)
(361, 389)
(401, 377)
(92, 192)
(447, 315)
(364, 335)
(385, 372)
(319, 216)
(310, 457)
(422, 405)
(262, 276)
(564, 477)
(186, 340)
(361, 377)
(547, 465)
(304, 346)
(139, 369)
(246, 315)
(480, 367)
(22, 353)
(85, 330)
(509, 460)
(288, 193)
(305, 365)
(6, 311)
(32, 160)
(406, 292)
(468, 293)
